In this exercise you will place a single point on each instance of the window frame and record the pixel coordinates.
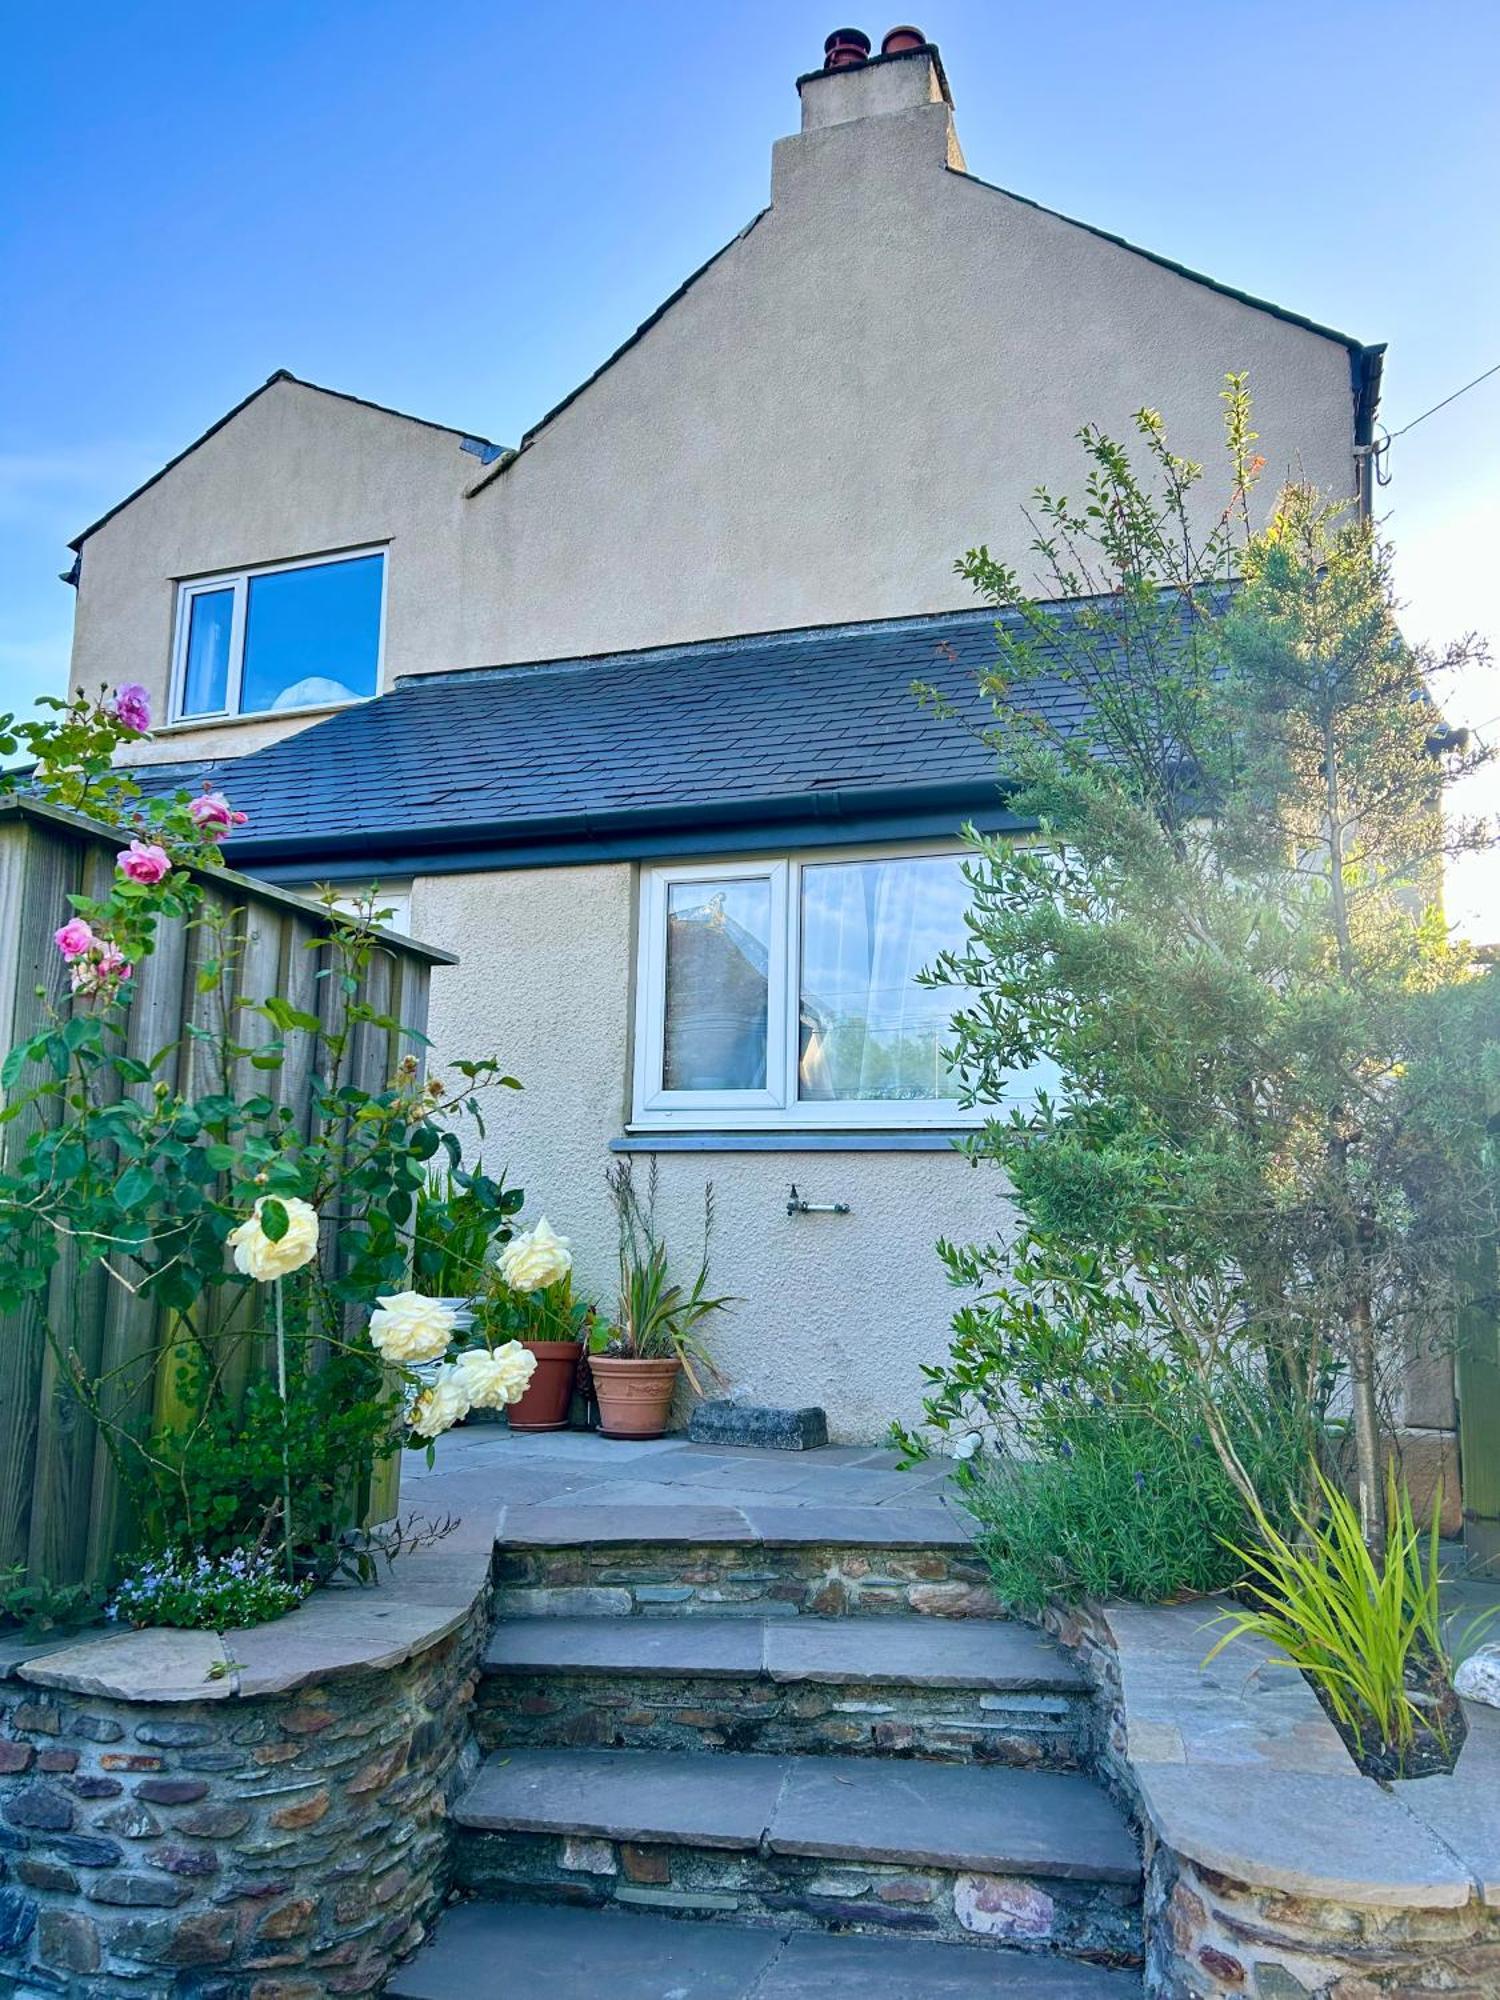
(778, 1107)
(189, 589)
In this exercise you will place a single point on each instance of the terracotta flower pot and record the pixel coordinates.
(635, 1397)
(549, 1394)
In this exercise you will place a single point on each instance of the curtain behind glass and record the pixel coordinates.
(868, 1031)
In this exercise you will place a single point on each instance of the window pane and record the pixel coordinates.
(312, 635)
(718, 960)
(867, 1030)
(205, 681)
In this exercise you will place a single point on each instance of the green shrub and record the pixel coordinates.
(1127, 1503)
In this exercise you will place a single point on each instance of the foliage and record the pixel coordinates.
(1101, 1479)
(1268, 1123)
(1365, 1628)
(551, 1312)
(134, 1170)
(205, 1593)
(656, 1319)
(39, 1607)
(463, 1216)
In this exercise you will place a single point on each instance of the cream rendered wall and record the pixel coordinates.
(869, 382)
(836, 1310)
(297, 472)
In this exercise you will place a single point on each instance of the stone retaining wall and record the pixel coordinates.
(275, 1847)
(1274, 1870)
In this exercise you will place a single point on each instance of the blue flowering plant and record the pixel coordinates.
(207, 1593)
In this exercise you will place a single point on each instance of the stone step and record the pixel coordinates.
(1039, 1859)
(484, 1949)
(974, 1691)
(771, 1563)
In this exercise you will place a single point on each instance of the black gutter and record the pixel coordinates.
(836, 817)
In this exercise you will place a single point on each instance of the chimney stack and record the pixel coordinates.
(853, 84)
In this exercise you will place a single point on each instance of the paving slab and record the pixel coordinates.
(157, 1664)
(339, 1632)
(867, 1968)
(859, 1527)
(484, 1948)
(918, 1652)
(1301, 1833)
(730, 1647)
(613, 1526)
(1463, 1808)
(1000, 1822)
(567, 1954)
(646, 1795)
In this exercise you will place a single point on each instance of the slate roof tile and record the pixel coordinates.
(511, 750)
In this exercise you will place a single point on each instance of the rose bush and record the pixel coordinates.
(536, 1259)
(239, 1226)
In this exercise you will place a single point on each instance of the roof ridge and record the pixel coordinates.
(278, 375)
(746, 642)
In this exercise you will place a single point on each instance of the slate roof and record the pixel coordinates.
(814, 726)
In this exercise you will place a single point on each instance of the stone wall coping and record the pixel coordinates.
(1239, 1771)
(342, 1630)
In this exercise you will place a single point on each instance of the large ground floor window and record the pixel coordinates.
(784, 992)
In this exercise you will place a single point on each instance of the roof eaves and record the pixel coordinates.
(530, 437)
(639, 823)
(1180, 270)
(281, 375)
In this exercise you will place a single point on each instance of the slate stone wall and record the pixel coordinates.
(1208, 1935)
(275, 1848)
(1099, 1921)
(640, 1711)
(756, 1580)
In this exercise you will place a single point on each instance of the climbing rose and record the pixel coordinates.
(407, 1327)
(74, 939)
(130, 705)
(440, 1406)
(213, 815)
(261, 1257)
(535, 1260)
(144, 861)
(493, 1378)
(102, 969)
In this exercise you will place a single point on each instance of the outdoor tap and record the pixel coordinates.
(795, 1205)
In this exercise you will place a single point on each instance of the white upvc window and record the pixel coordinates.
(782, 993)
(281, 637)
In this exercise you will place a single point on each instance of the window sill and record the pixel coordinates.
(183, 724)
(936, 1140)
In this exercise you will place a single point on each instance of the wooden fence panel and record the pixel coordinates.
(63, 1515)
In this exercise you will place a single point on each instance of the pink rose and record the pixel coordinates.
(74, 939)
(130, 705)
(101, 971)
(144, 861)
(213, 815)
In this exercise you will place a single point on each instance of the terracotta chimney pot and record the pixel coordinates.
(899, 41)
(845, 47)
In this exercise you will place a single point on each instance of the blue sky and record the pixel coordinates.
(460, 208)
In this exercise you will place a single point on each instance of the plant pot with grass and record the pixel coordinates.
(654, 1342)
(530, 1298)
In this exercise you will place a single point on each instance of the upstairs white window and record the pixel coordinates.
(264, 641)
(784, 994)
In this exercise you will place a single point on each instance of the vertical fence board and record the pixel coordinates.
(63, 1513)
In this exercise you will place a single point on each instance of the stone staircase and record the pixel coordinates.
(776, 1764)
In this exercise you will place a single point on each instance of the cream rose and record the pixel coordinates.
(262, 1258)
(407, 1327)
(493, 1378)
(536, 1259)
(441, 1405)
